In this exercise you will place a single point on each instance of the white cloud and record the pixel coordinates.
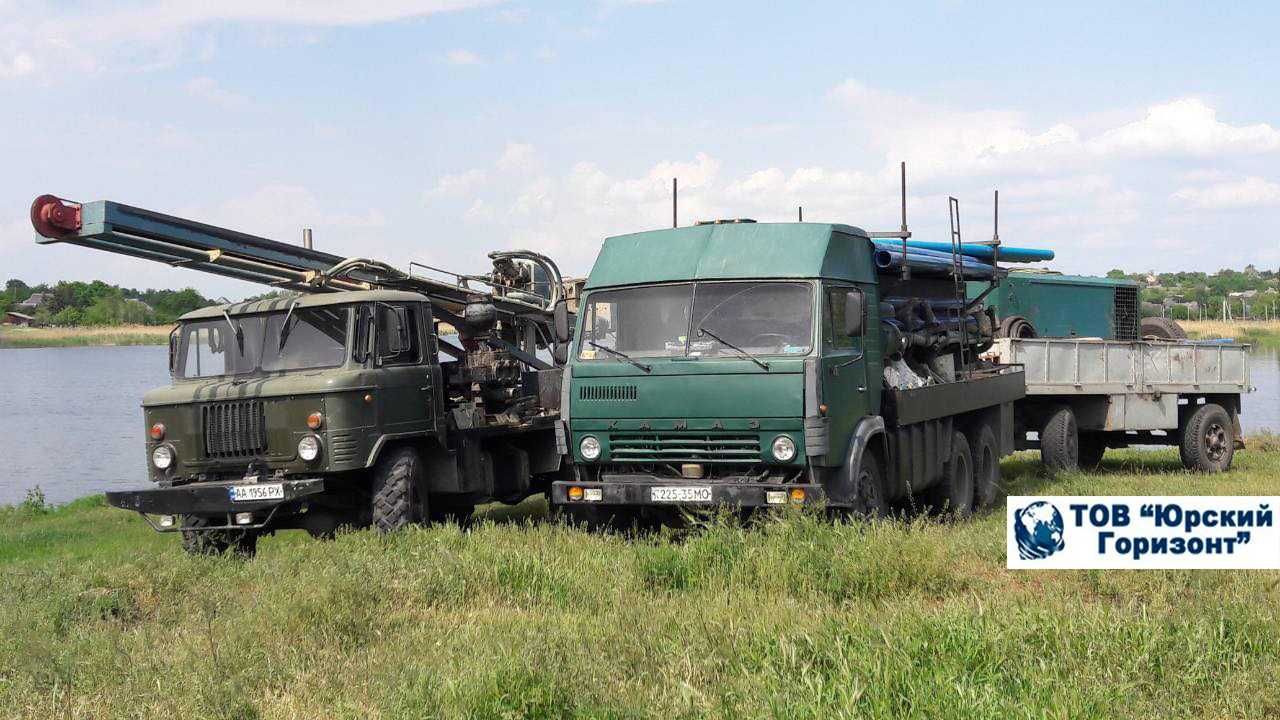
(517, 157)
(462, 57)
(1250, 192)
(458, 183)
(16, 65)
(1186, 126)
(208, 89)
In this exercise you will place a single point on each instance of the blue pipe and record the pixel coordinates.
(932, 264)
(980, 252)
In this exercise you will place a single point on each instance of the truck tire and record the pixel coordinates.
(1016, 326)
(1208, 440)
(395, 482)
(1060, 442)
(954, 496)
(1090, 448)
(244, 543)
(1162, 328)
(866, 498)
(986, 468)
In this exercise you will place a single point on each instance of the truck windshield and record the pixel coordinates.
(243, 344)
(703, 319)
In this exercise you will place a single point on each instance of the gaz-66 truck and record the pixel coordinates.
(769, 364)
(345, 404)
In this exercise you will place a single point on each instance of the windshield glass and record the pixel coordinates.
(315, 338)
(705, 319)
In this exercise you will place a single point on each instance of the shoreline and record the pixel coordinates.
(104, 336)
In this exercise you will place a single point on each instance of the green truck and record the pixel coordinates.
(371, 397)
(775, 364)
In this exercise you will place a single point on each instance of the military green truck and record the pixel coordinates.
(370, 397)
(762, 365)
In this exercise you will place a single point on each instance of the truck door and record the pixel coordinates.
(850, 383)
(404, 369)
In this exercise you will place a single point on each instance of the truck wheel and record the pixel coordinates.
(1162, 328)
(1208, 440)
(986, 467)
(395, 481)
(866, 497)
(955, 494)
(1090, 449)
(1016, 326)
(216, 542)
(1060, 442)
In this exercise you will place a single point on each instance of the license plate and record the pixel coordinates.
(680, 494)
(254, 493)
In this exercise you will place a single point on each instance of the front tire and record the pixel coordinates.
(1060, 442)
(395, 490)
(1208, 440)
(196, 541)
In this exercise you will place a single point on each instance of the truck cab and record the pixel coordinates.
(744, 363)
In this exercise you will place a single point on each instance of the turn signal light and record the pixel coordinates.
(797, 495)
(315, 420)
(575, 493)
(157, 431)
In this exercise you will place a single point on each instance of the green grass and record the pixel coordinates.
(25, 337)
(517, 617)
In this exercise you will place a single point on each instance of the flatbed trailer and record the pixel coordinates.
(1085, 395)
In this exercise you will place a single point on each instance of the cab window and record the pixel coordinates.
(833, 323)
(398, 341)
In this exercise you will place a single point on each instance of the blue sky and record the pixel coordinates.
(1144, 136)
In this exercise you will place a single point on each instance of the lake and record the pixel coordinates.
(71, 421)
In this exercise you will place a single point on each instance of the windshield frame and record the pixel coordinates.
(183, 343)
(581, 339)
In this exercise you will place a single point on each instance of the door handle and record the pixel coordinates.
(862, 388)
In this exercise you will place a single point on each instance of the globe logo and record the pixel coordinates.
(1038, 529)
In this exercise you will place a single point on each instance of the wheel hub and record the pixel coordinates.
(1215, 442)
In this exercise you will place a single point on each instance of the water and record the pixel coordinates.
(70, 419)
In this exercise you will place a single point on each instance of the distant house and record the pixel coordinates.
(35, 302)
(17, 318)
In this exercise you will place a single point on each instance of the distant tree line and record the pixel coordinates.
(1187, 295)
(98, 303)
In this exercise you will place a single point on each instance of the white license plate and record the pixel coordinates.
(254, 493)
(680, 494)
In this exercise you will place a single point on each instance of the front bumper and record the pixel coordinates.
(212, 499)
(637, 491)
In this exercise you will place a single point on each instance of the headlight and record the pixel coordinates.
(309, 447)
(590, 448)
(784, 448)
(162, 457)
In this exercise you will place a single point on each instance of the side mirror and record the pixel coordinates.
(396, 325)
(560, 318)
(853, 313)
(560, 353)
(173, 351)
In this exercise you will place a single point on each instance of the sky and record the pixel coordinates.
(1144, 136)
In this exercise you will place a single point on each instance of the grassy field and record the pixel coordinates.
(516, 617)
(22, 337)
(1258, 332)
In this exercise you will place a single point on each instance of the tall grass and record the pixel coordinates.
(22, 337)
(794, 617)
(1264, 333)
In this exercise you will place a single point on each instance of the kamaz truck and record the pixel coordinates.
(367, 396)
(760, 365)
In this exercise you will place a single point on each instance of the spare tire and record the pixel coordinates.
(1016, 326)
(1162, 328)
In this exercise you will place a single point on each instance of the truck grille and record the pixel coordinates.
(665, 447)
(1126, 313)
(234, 429)
(608, 392)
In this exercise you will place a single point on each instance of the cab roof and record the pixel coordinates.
(306, 300)
(735, 250)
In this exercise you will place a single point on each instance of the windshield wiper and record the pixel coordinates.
(237, 330)
(285, 327)
(621, 355)
(726, 343)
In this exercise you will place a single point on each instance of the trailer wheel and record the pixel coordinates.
(395, 481)
(1091, 448)
(954, 496)
(1162, 328)
(244, 543)
(1208, 441)
(1060, 442)
(986, 466)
